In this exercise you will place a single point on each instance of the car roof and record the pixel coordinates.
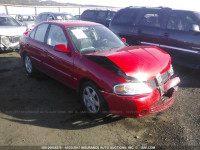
(24, 15)
(99, 10)
(69, 23)
(157, 8)
(57, 13)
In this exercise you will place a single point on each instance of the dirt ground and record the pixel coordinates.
(41, 112)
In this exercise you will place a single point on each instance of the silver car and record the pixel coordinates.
(10, 33)
(26, 20)
(49, 16)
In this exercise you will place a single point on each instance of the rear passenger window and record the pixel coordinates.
(151, 20)
(182, 22)
(40, 33)
(89, 14)
(101, 15)
(44, 17)
(125, 17)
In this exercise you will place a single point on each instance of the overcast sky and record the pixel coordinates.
(177, 4)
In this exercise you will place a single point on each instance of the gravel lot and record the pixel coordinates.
(41, 111)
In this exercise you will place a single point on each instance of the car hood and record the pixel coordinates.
(143, 62)
(12, 30)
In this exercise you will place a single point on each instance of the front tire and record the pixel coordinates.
(92, 100)
(30, 69)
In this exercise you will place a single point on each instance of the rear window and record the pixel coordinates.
(28, 18)
(125, 17)
(88, 14)
(101, 14)
(64, 17)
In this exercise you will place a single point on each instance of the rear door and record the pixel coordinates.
(182, 40)
(35, 44)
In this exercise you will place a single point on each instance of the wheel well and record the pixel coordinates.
(23, 54)
(86, 80)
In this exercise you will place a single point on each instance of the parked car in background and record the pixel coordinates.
(48, 16)
(10, 32)
(26, 20)
(130, 81)
(78, 17)
(100, 16)
(175, 31)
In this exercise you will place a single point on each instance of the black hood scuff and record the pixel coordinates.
(107, 63)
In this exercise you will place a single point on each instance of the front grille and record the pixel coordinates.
(165, 77)
(14, 39)
(154, 83)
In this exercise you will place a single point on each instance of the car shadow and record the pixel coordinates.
(41, 100)
(189, 77)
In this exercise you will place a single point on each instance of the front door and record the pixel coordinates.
(59, 63)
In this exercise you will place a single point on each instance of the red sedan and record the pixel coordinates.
(108, 74)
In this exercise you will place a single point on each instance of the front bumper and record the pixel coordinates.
(142, 105)
(9, 42)
(12, 46)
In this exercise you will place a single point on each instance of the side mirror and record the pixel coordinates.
(27, 32)
(61, 48)
(124, 39)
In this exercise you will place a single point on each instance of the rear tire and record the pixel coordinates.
(92, 100)
(29, 67)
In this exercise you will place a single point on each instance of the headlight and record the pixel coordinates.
(5, 41)
(132, 88)
(171, 71)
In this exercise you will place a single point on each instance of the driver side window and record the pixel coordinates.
(56, 36)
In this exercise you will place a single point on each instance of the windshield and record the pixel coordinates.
(28, 18)
(64, 17)
(8, 21)
(94, 38)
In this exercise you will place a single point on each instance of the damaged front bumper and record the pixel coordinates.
(9, 43)
(145, 104)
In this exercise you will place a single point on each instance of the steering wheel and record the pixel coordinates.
(103, 41)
